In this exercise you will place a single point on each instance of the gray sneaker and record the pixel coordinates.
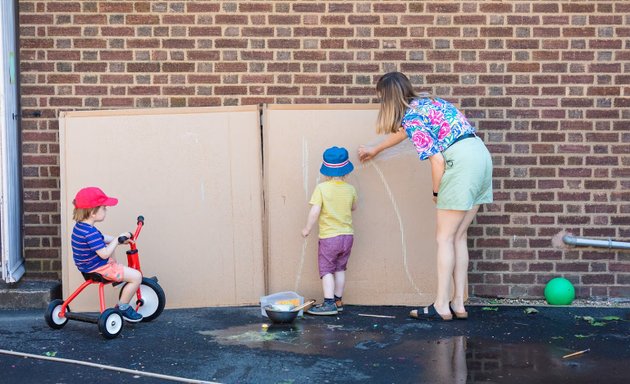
(325, 309)
(130, 314)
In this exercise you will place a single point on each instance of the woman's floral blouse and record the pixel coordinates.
(433, 125)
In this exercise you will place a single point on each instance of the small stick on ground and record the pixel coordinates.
(380, 316)
(576, 353)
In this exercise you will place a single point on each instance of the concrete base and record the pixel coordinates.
(29, 294)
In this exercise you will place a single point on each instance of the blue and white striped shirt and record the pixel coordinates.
(86, 240)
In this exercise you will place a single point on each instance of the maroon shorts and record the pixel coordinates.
(333, 254)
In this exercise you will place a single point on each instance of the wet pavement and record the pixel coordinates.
(499, 344)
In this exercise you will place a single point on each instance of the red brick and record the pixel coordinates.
(306, 32)
(178, 19)
(143, 43)
(178, 67)
(306, 7)
(90, 19)
(577, 8)
(115, 7)
(493, 8)
(142, 19)
(178, 43)
(65, 7)
(202, 32)
(117, 31)
(353, 19)
(390, 32)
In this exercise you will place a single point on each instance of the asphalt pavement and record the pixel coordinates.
(375, 344)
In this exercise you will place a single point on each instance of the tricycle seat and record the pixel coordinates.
(98, 278)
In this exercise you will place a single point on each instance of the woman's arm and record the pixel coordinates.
(367, 153)
(437, 170)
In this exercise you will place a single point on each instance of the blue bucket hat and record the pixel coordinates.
(336, 163)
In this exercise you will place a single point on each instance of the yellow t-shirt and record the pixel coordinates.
(336, 198)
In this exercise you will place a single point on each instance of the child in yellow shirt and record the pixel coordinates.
(332, 204)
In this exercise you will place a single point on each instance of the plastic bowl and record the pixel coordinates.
(280, 317)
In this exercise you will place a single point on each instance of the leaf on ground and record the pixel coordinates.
(593, 321)
(529, 311)
(557, 337)
(51, 354)
(583, 336)
(490, 308)
(598, 323)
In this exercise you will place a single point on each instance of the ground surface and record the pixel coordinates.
(498, 344)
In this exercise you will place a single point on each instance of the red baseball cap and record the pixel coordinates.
(92, 197)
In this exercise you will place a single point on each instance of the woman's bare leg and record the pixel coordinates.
(448, 222)
(460, 273)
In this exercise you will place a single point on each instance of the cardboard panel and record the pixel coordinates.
(195, 174)
(394, 254)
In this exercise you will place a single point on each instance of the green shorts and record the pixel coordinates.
(467, 179)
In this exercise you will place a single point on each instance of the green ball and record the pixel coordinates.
(559, 291)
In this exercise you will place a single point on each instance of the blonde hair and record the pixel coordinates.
(328, 178)
(80, 214)
(395, 91)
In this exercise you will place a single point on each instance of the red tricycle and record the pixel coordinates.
(150, 297)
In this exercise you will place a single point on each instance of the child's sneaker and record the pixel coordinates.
(130, 314)
(325, 309)
(339, 305)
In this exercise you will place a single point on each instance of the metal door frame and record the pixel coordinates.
(11, 224)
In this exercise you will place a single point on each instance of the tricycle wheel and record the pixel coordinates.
(153, 299)
(110, 323)
(52, 314)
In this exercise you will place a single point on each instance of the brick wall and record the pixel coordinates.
(547, 84)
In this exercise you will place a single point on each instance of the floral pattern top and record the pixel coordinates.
(433, 125)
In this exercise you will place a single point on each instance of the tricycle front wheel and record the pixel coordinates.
(153, 299)
(110, 323)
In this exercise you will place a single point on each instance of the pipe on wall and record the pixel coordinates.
(580, 241)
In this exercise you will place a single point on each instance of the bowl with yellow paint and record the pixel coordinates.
(281, 314)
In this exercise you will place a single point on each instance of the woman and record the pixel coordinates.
(461, 173)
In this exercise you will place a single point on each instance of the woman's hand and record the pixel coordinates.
(305, 232)
(366, 153)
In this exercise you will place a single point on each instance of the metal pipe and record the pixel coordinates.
(580, 241)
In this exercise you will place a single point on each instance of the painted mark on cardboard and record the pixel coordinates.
(400, 223)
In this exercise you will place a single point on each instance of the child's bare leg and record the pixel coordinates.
(328, 284)
(133, 278)
(340, 283)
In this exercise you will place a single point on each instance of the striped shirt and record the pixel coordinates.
(335, 197)
(86, 240)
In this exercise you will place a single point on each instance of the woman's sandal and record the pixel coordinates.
(429, 313)
(458, 315)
